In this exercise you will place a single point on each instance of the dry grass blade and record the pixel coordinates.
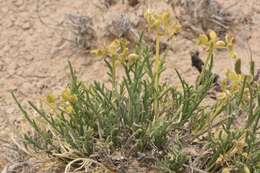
(85, 164)
(18, 158)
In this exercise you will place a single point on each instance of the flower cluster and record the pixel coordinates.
(65, 103)
(67, 96)
(212, 41)
(117, 49)
(238, 148)
(162, 23)
(231, 85)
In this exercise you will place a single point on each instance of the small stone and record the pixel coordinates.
(26, 25)
(29, 57)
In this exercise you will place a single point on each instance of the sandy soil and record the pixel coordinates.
(34, 55)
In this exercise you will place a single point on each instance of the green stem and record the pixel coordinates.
(113, 75)
(157, 68)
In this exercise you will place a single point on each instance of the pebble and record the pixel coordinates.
(26, 25)
(28, 57)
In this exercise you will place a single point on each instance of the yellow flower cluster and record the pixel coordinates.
(213, 42)
(50, 98)
(67, 96)
(118, 49)
(229, 170)
(231, 85)
(162, 23)
(237, 148)
(67, 99)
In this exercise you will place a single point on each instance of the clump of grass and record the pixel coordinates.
(99, 127)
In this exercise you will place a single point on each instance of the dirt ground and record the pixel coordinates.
(34, 54)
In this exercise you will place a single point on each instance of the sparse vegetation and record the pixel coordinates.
(97, 127)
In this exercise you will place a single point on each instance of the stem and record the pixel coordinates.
(157, 68)
(113, 75)
(157, 61)
(206, 66)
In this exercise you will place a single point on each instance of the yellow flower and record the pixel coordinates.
(246, 169)
(150, 19)
(212, 41)
(162, 23)
(123, 55)
(99, 52)
(235, 80)
(230, 41)
(67, 96)
(213, 36)
(232, 53)
(258, 165)
(50, 98)
(132, 57)
(203, 39)
(116, 47)
(220, 159)
(50, 101)
(245, 155)
(226, 170)
(69, 109)
(220, 44)
(174, 28)
(224, 96)
(238, 146)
